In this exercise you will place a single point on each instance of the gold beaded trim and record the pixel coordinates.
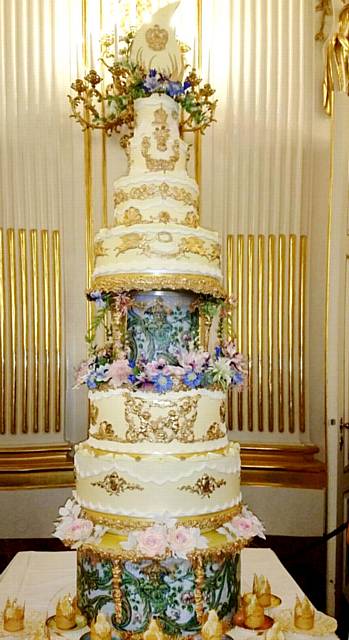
(117, 595)
(127, 524)
(147, 282)
(213, 554)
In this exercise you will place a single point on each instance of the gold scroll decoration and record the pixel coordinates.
(267, 275)
(30, 332)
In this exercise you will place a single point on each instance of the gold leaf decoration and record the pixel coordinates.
(114, 484)
(204, 486)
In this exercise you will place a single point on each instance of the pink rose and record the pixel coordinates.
(119, 371)
(242, 527)
(152, 541)
(78, 529)
(184, 540)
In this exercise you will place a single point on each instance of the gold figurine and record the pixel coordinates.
(304, 614)
(213, 628)
(13, 616)
(65, 613)
(100, 628)
(337, 61)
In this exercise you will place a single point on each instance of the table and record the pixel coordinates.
(40, 578)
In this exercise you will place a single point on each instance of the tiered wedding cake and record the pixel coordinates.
(157, 515)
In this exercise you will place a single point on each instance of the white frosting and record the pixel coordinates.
(189, 421)
(141, 487)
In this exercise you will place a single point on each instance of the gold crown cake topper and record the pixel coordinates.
(304, 614)
(155, 45)
(261, 588)
(213, 628)
(100, 628)
(13, 616)
(66, 612)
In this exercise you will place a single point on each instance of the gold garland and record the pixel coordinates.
(117, 595)
(127, 524)
(148, 282)
(199, 583)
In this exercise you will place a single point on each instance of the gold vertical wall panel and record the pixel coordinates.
(301, 324)
(58, 327)
(2, 336)
(260, 330)
(291, 329)
(25, 322)
(13, 333)
(47, 328)
(250, 327)
(240, 332)
(271, 330)
(35, 328)
(281, 329)
(31, 337)
(271, 316)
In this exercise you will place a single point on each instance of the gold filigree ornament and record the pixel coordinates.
(177, 424)
(163, 190)
(130, 241)
(117, 594)
(93, 413)
(114, 484)
(223, 411)
(100, 249)
(105, 432)
(161, 132)
(204, 486)
(192, 219)
(132, 215)
(156, 38)
(214, 432)
(148, 282)
(197, 246)
(160, 164)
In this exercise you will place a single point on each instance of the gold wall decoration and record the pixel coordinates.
(336, 76)
(326, 10)
(267, 274)
(30, 332)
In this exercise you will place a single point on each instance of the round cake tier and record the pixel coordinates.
(168, 423)
(160, 256)
(131, 590)
(153, 197)
(153, 486)
(156, 145)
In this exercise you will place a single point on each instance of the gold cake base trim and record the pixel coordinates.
(148, 282)
(214, 553)
(206, 522)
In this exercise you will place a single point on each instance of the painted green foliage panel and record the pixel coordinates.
(164, 590)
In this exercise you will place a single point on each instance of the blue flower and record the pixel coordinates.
(186, 85)
(174, 89)
(152, 83)
(162, 383)
(192, 379)
(218, 352)
(132, 378)
(152, 73)
(101, 373)
(97, 297)
(237, 378)
(91, 381)
(132, 363)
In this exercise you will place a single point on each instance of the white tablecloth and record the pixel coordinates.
(40, 578)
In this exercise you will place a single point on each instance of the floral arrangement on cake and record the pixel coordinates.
(188, 367)
(131, 81)
(167, 537)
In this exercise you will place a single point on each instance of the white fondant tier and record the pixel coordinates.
(154, 197)
(190, 421)
(154, 486)
(157, 249)
(156, 145)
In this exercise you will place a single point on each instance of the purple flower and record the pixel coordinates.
(102, 373)
(152, 73)
(91, 381)
(237, 378)
(186, 84)
(97, 297)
